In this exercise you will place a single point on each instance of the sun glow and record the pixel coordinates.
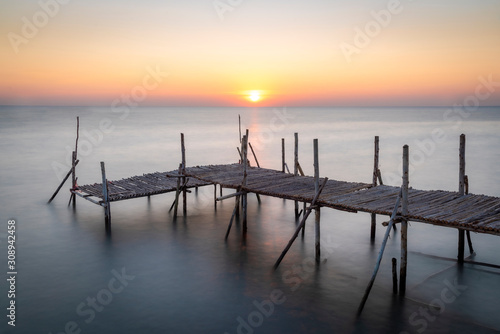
(254, 96)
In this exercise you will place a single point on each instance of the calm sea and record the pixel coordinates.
(154, 275)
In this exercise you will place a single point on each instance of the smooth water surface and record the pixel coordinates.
(156, 275)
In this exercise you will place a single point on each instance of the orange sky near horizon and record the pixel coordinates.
(92, 53)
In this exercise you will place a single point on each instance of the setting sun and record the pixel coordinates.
(254, 96)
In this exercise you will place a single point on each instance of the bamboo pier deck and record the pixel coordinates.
(477, 213)
(137, 186)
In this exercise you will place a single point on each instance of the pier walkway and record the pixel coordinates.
(477, 213)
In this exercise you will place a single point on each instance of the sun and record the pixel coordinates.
(254, 96)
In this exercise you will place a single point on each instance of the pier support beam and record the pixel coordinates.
(244, 151)
(62, 183)
(283, 155)
(317, 209)
(380, 254)
(74, 156)
(105, 195)
(184, 192)
(374, 183)
(373, 230)
(215, 196)
(301, 224)
(295, 168)
(404, 222)
(461, 190)
(73, 178)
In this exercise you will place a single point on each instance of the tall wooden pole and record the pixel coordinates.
(184, 192)
(461, 191)
(73, 177)
(404, 222)
(177, 192)
(295, 167)
(215, 196)
(239, 125)
(375, 162)
(105, 195)
(283, 155)
(317, 209)
(244, 195)
(74, 157)
(374, 183)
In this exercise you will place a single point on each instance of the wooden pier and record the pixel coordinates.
(477, 213)
(135, 187)
(461, 210)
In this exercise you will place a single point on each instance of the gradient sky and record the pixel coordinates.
(96, 52)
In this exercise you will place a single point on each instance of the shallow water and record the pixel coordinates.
(186, 279)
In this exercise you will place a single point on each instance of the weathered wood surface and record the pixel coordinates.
(478, 213)
(139, 186)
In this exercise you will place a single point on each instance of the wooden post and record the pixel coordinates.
(317, 209)
(394, 276)
(73, 177)
(373, 230)
(374, 183)
(283, 155)
(301, 225)
(239, 125)
(105, 195)
(62, 182)
(258, 165)
(184, 192)
(461, 190)
(380, 254)
(461, 176)
(375, 162)
(74, 156)
(404, 222)
(295, 168)
(254, 156)
(244, 196)
(461, 246)
(177, 192)
(239, 193)
(215, 196)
